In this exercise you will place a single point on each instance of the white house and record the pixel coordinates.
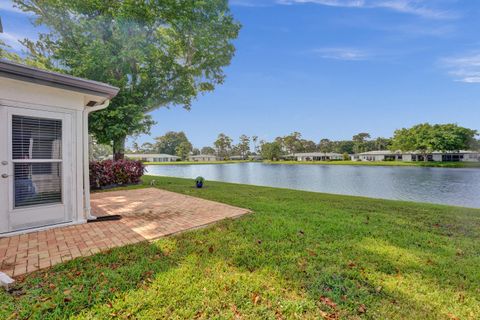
(447, 156)
(203, 158)
(153, 157)
(377, 155)
(44, 146)
(318, 156)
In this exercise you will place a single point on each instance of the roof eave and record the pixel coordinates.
(29, 74)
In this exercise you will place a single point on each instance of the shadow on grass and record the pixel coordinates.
(371, 258)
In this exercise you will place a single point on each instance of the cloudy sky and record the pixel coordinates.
(332, 68)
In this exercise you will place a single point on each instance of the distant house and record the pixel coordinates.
(318, 156)
(203, 158)
(378, 155)
(447, 156)
(255, 158)
(153, 157)
(237, 158)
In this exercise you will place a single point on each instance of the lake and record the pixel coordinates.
(459, 187)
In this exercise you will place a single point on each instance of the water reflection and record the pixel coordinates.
(437, 185)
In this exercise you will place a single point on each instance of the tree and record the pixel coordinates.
(183, 150)
(223, 144)
(159, 53)
(135, 147)
(146, 147)
(426, 138)
(292, 143)
(381, 144)
(243, 146)
(255, 140)
(359, 141)
(98, 151)
(207, 150)
(307, 146)
(345, 146)
(195, 151)
(271, 151)
(170, 141)
(325, 145)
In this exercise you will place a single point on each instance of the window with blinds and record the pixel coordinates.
(37, 160)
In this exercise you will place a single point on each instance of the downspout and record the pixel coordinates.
(86, 162)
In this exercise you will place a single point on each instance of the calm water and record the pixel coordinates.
(459, 187)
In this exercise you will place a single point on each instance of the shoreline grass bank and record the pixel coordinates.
(300, 255)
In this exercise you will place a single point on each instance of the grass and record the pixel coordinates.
(300, 255)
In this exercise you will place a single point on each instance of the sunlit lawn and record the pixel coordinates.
(299, 255)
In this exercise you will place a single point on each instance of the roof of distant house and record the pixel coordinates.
(316, 154)
(202, 155)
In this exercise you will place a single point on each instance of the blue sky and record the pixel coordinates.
(331, 69)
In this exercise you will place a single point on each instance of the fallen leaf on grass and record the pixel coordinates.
(255, 299)
(362, 309)
(328, 302)
(452, 316)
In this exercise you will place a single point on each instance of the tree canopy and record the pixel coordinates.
(426, 138)
(170, 142)
(159, 53)
(223, 145)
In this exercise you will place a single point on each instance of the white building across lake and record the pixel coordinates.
(318, 156)
(153, 157)
(203, 158)
(447, 156)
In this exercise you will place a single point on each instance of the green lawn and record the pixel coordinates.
(300, 255)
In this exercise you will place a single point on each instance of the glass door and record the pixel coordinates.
(39, 194)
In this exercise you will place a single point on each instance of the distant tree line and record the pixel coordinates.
(423, 138)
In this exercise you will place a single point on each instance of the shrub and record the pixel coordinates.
(111, 173)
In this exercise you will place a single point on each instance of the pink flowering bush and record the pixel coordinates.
(112, 173)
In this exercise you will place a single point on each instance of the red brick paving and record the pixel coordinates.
(147, 214)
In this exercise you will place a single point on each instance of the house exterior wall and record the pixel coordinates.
(20, 94)
(30, 97)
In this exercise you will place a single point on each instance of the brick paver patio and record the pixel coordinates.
(147, 214)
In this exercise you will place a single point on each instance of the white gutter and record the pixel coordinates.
(86, 161)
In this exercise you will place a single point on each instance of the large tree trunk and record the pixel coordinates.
(119, 148)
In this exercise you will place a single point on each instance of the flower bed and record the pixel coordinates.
(108, 173)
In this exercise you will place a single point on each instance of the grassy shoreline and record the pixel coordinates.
(334, 163)
(300, 255)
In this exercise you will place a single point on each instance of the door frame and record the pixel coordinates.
(48, 214)
(4, 219)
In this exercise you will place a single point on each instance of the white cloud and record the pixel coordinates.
(463, 68)
(348, 54)
(415, 7)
